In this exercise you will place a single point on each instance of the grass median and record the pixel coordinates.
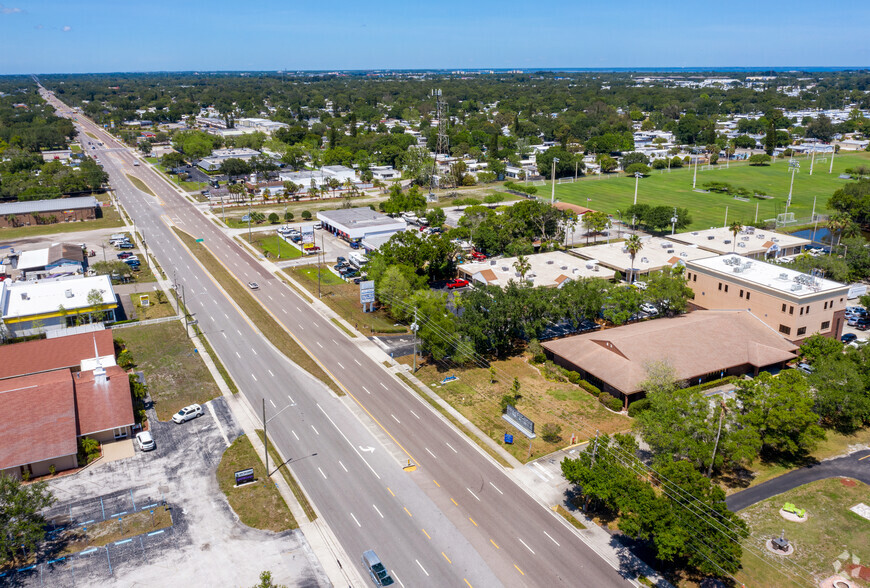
(139, 184)
(258, 504)
(264, 321)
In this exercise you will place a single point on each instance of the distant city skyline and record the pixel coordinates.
(97, 36)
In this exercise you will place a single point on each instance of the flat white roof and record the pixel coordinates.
(33, 259)
(737, 268)
(361, 222)
(547, 269)
(657, 253)
(750, 241)
(23, 299)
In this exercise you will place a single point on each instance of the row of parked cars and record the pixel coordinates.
(123, 242)
(857, 317)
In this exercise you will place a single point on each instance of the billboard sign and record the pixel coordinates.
(525, 425)
(308, 235)
(244, 476)
(367, 292)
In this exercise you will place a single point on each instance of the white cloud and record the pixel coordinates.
(66, 29)
(9, 10)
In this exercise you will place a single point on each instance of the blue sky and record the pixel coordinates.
(46, 36)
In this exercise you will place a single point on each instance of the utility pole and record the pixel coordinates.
(595, 447)
(414, 329)
(553, 181)
(716, 444)
(250, 240)
(266, 437)
(184, 304)
(674, 221)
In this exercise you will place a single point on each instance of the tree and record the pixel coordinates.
(234, 167)
(523, 266)
(842, 396)
(145, 147)
(633, 245)
(288, 217)
(292, 189)
(23, 527)
(667, 290)
(595, 222)
(817, 346)
(759, 159)
(108, 268)
(634, 157)
(393, 289)
(637, 168)
(436, 217)
(780, 409)
(266, 581)
(735, 228)
(607, 163)
(564, 167)
(273, 218)
(623, 302)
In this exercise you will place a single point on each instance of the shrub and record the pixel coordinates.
(638, 406)
(550, 433)
(507, 400)
(660, 164)
(306, 215)
(273, 218)
(637, 168)
(88, 451)
(759, 159)
(493, 198)
(52, 469)
(589, 387)
(537, 351)
(288, 217)
(125, 360)
(610, 402)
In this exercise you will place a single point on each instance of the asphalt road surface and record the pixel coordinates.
(855, 465)
(458, 520)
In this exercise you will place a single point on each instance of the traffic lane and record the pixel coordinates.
(321, 471)
(231, 250)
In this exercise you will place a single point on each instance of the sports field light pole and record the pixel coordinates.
(795, 166)
(265, 436)
(833, 152)
(813, 161)
(553, 181)
(695, 177)
(637, 177)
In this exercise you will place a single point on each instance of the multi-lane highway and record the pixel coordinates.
(457, 520)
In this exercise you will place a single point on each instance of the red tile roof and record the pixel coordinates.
(102, 406)
(43, 355)
(37, 418)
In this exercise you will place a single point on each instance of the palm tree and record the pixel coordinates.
(633, 245)
(836, 223)
(735, 228)
(522, 265)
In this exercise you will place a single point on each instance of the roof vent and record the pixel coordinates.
(493, 261)
(564, 267)
(670, 251)
(711, 237)
(694, 232)
(727, 241)
(24, 296)
(68, 293)
(549, 262)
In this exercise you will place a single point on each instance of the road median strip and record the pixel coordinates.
(301, 498)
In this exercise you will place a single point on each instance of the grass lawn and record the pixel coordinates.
(288, 477)
(175, 374)
(154, 310)
(91, 135)
(111, 530)
(139, 184)
(75, 148)
(611, 193)
(835, 444)
(542, 400)
(275, 246)
(343, 298)
(830, 531)
(110, 218)
(259, 504)
(255, 311)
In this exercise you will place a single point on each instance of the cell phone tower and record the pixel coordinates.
(441, 146)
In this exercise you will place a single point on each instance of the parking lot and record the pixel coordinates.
(205, 546)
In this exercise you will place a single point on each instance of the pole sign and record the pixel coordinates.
(367, 292)
(244, 476)
(308, 235)
(525, 425)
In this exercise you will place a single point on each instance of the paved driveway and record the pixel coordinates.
(206, 546)
(855, 465)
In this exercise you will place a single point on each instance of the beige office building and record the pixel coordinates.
(792, 303)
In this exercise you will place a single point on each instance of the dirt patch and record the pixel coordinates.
(848, 482)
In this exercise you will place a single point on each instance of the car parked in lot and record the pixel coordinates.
(187, 413)
(125, 245)
(849, 337)
(806, 368)
(145, 441)
(124, 255)
(457, 283)
(649, 308)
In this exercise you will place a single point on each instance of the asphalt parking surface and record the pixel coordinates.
(206, 546)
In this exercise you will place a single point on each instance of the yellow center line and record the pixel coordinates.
(391, 491)
(407, 511)
(425, 533)
(519, 570)
(472, 521)
(454, 502)
(469, 583)
(436, 483)
(494, 543)
(447, 558)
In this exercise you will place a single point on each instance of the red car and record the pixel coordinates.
(477, 256)
(457, 283)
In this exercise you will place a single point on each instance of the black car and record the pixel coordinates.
(340, 260)
(849, 337)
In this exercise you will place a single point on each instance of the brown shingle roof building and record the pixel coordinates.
(38, 421)
(700, 346)
(103, 403)
(43, 355)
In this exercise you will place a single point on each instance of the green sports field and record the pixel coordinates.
(613, 194)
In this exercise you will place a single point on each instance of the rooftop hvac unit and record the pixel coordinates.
(684, 254)
(694, 232)
(24, 295)
(644, 260)
(68, 293)
(744, 238)
(564, 267)
(549, 262)
(741, 244)
(594, 268)
(670, 251)
(796, 287)
(774, 239)
(760, 235)
(783, 276)
(493, 261)
(728, 241)
(504, 268)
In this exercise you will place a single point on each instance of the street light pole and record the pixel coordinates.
(265, 436)
(553, 181)
(637, 176)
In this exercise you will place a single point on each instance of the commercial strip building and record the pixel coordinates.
(53, 400)
(56, 210)
(750, 242)
(319, 177)
(551, 269)
(56, 259)
(700, 346)
(656, 254)
(357, 224)
(792, 303)
(218, 156)
(30, 308)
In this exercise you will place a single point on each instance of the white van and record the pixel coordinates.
(357, 259)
